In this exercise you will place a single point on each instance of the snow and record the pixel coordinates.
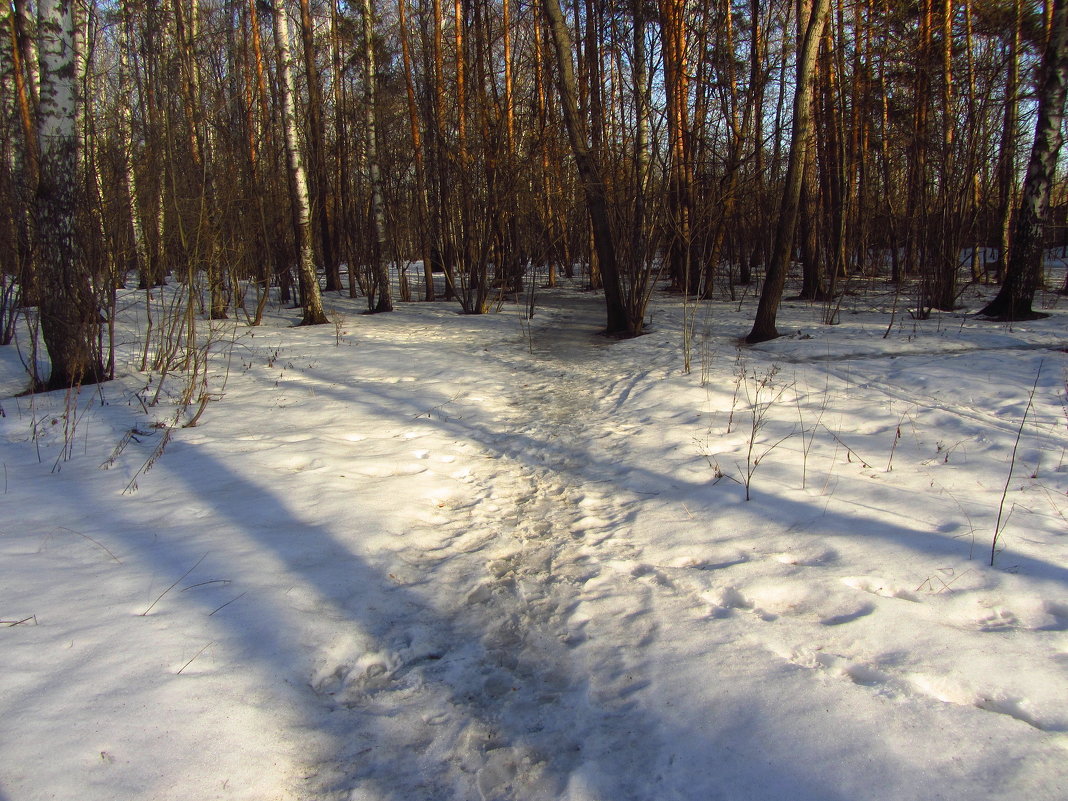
(435, 556)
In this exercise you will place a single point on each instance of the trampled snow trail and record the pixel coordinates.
(525, 689)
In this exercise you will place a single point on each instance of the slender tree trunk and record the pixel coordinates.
(319, 183)
(919, 183)
(821, 202)
(643, 135)
(1006, 170)
(975, 128)
(422, 206)
(771, 293)
(311, 296)
(1024, 273)
(757, 83)
(137, 229)
(384, 299)
(25, 71)
(680, 201)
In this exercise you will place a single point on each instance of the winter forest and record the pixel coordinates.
(563, 400)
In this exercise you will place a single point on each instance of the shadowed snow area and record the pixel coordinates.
(431, 556)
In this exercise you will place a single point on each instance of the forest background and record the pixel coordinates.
(241, 146)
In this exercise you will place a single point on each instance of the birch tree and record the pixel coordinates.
(1024, 272)
(310, 295)
(70, 316)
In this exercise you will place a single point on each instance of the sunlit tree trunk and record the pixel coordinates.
(318, 175)
(757, 51)
(137, 229)
(311, 297)
(917, 208)
(945, 234)
(680, 185)
(975, 124)
(1024, 273)
(26, 78)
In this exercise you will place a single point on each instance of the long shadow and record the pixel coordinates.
(358, 596)
(774, 507)
(355, 590)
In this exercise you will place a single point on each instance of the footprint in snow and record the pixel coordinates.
(950, 691)
(880, 587)
(1025, 614)
(806, 557)
(999, 619)
(841, 618)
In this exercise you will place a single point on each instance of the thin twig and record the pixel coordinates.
(186, 573)
(226, 604)
(205, 583)
(198, 653)
(1012, 464)
(98, 544)
(11, 623)
(838, 439)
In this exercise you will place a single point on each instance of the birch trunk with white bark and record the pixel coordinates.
(311, 297)
(70, 318)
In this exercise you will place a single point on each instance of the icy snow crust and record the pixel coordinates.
(432, 556)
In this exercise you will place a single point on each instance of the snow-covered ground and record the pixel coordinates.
(427, 556)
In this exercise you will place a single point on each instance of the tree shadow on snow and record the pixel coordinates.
(471, 713)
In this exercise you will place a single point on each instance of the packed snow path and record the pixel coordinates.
(486, 559)
(525, 691)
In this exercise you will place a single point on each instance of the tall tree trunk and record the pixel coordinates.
(70, 317)
(384, 298)
(919, 183)
(1006, 171)
(680, 200)
(422, 207)
(136, 229)
(771, 293)
(319, 183)
(757, 83)
(620, 319)
(642, 135)
(946, 245)
(1013, 301)
(25, 71)
(311, 297)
